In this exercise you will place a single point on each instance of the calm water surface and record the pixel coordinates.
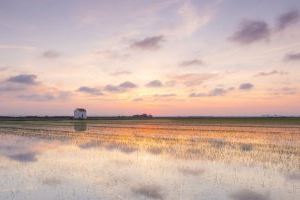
(152, 161)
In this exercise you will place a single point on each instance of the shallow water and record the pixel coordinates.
(153, 161)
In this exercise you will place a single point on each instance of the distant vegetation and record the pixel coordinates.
(145, 118)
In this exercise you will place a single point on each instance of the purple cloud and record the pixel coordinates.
(154, 84)
(127, 84)
(27, 79)
(193, 62)
(287, 19)
(112, 88)
(292, 57)
(213, 93)
(11, 87)
(251, 31)
(121, 87)
(90, 90)
(246, 86)
(149, 43)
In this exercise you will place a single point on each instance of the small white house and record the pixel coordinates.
(80, 113)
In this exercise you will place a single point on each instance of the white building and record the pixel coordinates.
(80, 113)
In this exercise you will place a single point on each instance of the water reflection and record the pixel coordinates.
(24, 157)
(295, 176)
(246, 147)
(149, 191)
(80, 126)
(58, 162)
(189, 171)
(89, 145)
(51, 181)
(249, 195)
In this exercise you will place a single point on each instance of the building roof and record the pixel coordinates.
(81, 109)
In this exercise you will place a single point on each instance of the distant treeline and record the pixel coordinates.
(146, 116)
(142, 116)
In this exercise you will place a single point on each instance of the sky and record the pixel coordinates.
(161, 57)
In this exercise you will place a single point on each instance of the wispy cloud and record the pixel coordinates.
(165, 95)
(194, 79)
(90, 90)
(149, 43)
(18, 47)
(251, 31)
(6, 87)
(120, 72)
(192, 18)
(111, 54)
(193, 62)
(3, 69)
(287, 19)
(283, 91)
(138, 99)
(48, 96)
(274, 72)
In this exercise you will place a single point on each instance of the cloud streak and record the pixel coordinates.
(49, 96)
(274, 72)
(251, 31)
(51, 54)
(154, 84)
(119, 73)
(287, 19)
(292, 57)
(193, 79)
(149, 43)
(90, 90)
(188, 63)
(165, 95)
(213, 93)
(122, 87)
(27, 79)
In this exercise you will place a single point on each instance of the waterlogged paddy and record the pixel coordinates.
(53, 160)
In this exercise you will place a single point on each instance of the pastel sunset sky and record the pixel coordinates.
(162, 57)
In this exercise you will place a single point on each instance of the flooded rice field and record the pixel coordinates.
(82, 160)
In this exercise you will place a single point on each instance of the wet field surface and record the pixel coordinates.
(51, 160)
